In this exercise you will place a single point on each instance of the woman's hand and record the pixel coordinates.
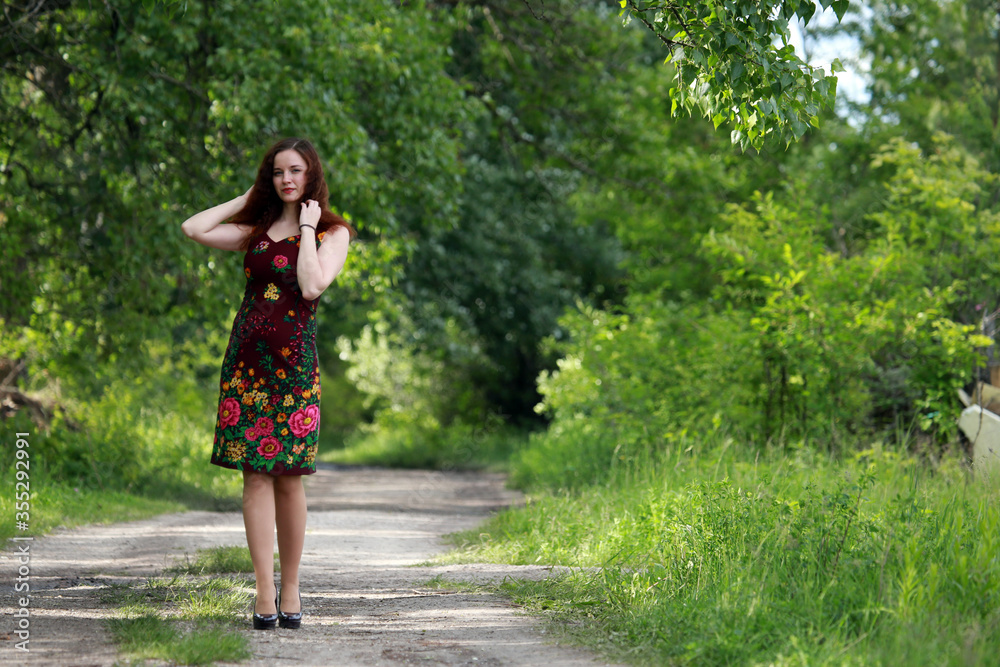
(207, 229)
(309, 213)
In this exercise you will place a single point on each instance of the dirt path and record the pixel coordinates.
(364, 599)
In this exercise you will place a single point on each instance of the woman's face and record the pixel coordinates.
(289, 175)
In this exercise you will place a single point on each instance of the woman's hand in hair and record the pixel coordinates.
(310, 213)
(207, 229)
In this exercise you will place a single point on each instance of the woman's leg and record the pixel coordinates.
(290, 513)
(258, 518)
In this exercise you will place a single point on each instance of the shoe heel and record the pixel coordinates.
(269, 621)
(264, 622)
(290, 621)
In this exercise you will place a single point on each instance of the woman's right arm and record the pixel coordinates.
(207, 229)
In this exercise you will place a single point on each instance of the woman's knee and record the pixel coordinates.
(288, 485)
(257, 482)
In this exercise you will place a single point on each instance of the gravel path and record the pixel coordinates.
(363, 587)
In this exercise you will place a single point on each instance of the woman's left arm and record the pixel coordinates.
(316, 269)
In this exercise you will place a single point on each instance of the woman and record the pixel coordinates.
(268, 421)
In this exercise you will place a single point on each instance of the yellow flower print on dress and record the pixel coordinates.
(271, 293)
(236, 450)
(289, 400)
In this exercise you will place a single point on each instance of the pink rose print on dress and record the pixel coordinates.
(264, 426)
(280, 263)
(269, 448)
(251, 434)
(229, 412)
(304, 421)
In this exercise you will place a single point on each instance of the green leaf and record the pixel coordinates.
(806, 11)
(840, 8)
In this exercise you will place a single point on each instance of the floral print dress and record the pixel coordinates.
(268, 418)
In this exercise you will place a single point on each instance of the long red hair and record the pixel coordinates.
(264, 206)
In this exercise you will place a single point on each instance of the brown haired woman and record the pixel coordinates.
(268, 420)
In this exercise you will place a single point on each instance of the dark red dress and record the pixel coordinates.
(268, 417)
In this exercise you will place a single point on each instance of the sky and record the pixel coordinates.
(821, 52)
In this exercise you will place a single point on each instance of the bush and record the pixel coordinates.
(800, 341)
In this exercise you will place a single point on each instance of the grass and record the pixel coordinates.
(441, 583)
(151, 637)
(784, 557)
(184, 619)
(219, 560)
(57, 504)
(121, 459)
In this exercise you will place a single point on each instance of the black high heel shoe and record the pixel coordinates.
(261, 622)
(291, 621)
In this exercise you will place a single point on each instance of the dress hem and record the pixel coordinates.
(298, 472)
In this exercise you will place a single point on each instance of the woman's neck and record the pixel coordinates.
(289, 216)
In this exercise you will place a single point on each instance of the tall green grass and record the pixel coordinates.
(725, 556)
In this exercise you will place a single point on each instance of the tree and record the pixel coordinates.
(933, 67)
(121, 121)
(732, 61)
(475, 299)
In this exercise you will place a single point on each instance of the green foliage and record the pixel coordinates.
(406, 441)
(932, 68)
(476, 297)
(174, 114)
(733, 62)
(799, 339)
(140, 448)
(486, 293)
(171, 117)
(56, 500)
(396, 379)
